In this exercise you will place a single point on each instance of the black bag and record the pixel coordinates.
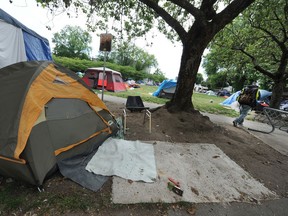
(248, 96)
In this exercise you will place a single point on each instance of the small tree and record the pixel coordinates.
(218, 80)
(128, 54)
(199, 78)
(221, 57)
(157, 76)
(72, 42)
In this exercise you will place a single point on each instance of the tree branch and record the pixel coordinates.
(270, 34)
(229, 13)
(285, 10)
(207, 3)
(188, 7)
(275, 58)
(173, 23)
(282, 25)
(256, 66)
(207, 8)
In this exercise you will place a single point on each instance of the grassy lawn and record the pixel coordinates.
(145, 92)
(211, 104)
(201, 102)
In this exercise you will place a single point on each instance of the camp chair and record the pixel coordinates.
(124, 120)
(135, 104)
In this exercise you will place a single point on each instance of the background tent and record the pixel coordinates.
(113, 81)
(263, 97)
(166, 89)
(47, 114)
(230, 99)
(19, 43)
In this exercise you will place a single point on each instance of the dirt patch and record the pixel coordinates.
(261, 161)
(176, 127)
(64, 197)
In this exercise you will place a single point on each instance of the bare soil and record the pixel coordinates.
(261, 161)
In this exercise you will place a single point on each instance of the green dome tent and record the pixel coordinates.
(47, 114)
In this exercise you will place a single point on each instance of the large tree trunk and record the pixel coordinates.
(206, 25)
(277, 93)
(193, 48)
(190, 62)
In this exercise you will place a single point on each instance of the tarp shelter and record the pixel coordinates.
(228, 101)
(166, 89)
(47, 113)
(19, 43)
(264, 94)
(113, 81)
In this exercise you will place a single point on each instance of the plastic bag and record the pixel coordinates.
(235, 106)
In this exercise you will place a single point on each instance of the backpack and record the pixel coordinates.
(249, 96)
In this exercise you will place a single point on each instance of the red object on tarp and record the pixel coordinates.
(177, 183)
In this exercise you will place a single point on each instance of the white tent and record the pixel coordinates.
(19, 43)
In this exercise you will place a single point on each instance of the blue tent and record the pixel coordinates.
(19, 43)
(263, 96)
(230, 99)
(166, 89)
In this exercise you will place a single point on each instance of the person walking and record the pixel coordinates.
(247, 101)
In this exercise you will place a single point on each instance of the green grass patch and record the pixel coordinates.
(211, 104)
(15, 198)
(201, 102)
(9, 199)
(144, 91)
(71, 202)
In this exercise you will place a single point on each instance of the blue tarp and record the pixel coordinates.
(263, 96)
(230, 99)
(166, 84)
(36, 48)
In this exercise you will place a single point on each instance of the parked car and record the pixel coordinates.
(284, 105)
(223, 92)
(211, 93)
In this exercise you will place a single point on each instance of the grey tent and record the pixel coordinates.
(47, 113)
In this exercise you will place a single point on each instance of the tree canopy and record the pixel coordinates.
(128, 54)
(72, 42)
(255, 48)
(192, 22)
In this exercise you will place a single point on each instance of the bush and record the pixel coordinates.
(76, 65)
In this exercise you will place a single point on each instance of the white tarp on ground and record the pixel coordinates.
(128, 159)
(205, 174)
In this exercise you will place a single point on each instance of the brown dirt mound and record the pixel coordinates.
(172, 127)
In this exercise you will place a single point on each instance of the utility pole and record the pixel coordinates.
(105, 46)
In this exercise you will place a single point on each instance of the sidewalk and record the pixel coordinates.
(277, 140)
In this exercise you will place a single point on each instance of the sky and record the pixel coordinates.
(36, 18)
